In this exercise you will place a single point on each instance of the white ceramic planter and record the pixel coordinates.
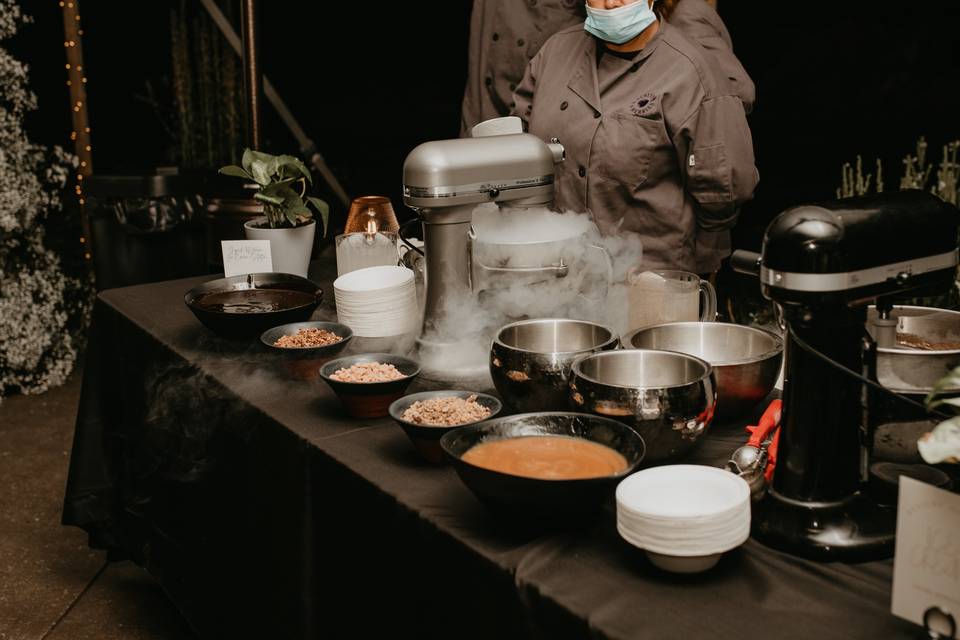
(289, 248)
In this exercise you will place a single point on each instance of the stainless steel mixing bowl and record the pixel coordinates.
(530, 360)
(746, 360)
(665, 396)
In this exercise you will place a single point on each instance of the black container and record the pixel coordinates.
(145, 228)
(304, 362)
(884, 483)
(426, 438)
(550, 502)
(370, 399)
(303, 297)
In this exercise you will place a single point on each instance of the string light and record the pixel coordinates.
(77, 81)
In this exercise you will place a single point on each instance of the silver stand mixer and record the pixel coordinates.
(444, 181)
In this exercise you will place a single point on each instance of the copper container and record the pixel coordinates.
(371, 214)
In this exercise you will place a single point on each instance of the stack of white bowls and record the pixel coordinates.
(684, 516)
(377, 301)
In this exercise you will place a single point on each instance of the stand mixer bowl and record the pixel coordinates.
(512, 248)
(907, 370)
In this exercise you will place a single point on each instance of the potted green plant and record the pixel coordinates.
(288, 222)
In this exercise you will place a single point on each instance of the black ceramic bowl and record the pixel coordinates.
(565, 502)
(304, 362)
(370, 399)
(426, 438)
(246, 306)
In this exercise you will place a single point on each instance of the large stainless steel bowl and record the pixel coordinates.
(746, 361)
(665, 396)
(530, 360)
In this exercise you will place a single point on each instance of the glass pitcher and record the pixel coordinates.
(660, 295)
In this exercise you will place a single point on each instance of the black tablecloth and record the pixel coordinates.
(266, 512)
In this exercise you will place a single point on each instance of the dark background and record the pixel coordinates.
(369, 82)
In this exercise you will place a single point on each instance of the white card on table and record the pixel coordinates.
(241, 257)
(926, 568)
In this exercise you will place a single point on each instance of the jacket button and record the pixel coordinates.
(496, 37)
(596, 114)
(520, 42)
(582, 172)
(513, 105)
(564, 105)
(488, 81)
(512, 86)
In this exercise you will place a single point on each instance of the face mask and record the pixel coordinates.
(621, 24)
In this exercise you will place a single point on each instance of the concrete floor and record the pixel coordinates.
(52, 586)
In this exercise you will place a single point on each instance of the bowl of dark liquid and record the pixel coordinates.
(246, 306)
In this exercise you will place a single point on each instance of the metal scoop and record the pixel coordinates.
(754, 461)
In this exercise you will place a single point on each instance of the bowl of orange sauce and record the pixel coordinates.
(551, 466)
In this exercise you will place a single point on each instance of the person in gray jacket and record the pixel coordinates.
(504, 35)
(657, 143)
(497, 63)
(699, 22)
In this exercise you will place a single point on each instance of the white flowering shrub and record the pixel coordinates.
(43, 311)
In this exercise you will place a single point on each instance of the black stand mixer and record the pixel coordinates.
(823, 265)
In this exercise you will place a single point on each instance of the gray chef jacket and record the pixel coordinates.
(504, 35)
(700, 22)
(657, 145)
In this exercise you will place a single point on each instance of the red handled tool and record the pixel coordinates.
(767, 431)
(755, 460)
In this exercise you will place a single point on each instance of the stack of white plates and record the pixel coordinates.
(684, 516)
(377, 301)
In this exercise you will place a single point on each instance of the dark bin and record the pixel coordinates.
(145, 228)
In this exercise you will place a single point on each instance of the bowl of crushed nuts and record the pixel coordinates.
(427, 415)
(367, 383)
(304, 346)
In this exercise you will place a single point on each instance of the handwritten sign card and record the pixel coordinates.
(926, 570)
(241, 257)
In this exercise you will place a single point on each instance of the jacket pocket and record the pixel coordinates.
(630, 142)
(708, 174)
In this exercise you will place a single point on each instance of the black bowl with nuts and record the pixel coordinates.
(367, 383)
(427, 415)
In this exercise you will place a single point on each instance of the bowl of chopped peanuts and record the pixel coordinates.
(303, 346)
(367, 383)
(427, 415)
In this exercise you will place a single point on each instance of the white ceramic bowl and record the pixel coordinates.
(684, 516)
(377, 301)
(373, 280)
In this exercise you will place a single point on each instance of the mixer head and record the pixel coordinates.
(856, 249)
(493, 167)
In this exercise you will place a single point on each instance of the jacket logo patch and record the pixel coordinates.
(644, 105)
